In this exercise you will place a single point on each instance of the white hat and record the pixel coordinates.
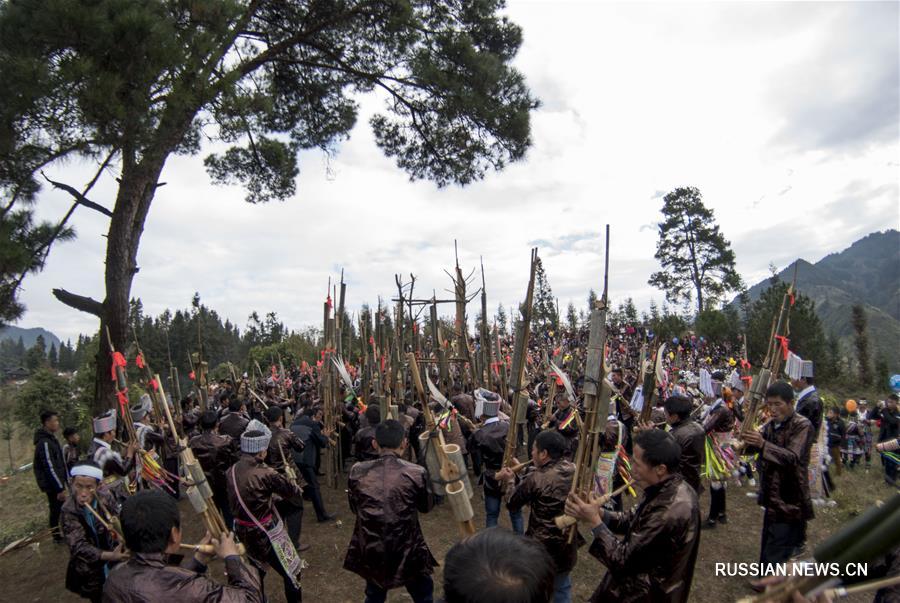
(806, 369)
(142, 408)
(735, 381)
(258, 443)
(87, 471)
(105, 422)
(488, 401)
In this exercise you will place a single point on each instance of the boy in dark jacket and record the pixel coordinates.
(50, 467)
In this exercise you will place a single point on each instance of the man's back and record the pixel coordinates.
(388, 547)
(692, 439)
(147, 579)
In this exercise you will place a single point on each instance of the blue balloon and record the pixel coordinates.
(675, 340)
(895, 383)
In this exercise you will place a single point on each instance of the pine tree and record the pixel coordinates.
(266, 80)
(861, 341)
(807, 337)
(65, 356)
(502, 321)
(544, 307)
(572, 317)
(36, 357)
(697, 261)
(52, 358)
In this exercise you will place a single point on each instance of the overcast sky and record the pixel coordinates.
(785, 116)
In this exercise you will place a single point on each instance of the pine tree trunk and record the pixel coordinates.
(136, 191)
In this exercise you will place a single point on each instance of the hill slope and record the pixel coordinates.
(867, 272)
(29, 336)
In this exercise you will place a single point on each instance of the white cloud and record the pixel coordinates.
(638, 98)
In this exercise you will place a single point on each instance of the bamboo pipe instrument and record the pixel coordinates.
(564, 521)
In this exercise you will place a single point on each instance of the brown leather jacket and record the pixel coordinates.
(571, 429)
(783, 469)
(452, 432)
(655, 559)
(545, 490)
(692, 439)
(465, 404)
(86, 572)
(233, 424)
(289, 443)
(256, 483)
(216, 453)
(147, 577)
(387, 546)
(719, 420)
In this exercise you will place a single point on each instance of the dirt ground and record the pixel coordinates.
(37, 574)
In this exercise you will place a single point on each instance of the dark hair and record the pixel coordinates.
(235, 404)
(69, 431)
(781, 389)
(147, 521)
(373, 415)
(617, 371)
(498, 565)
(389, 434)
(679, 405)
(48, 414)
(894, 397)
(273, 413)
(552, 442)
(660, 448)
(209, 420)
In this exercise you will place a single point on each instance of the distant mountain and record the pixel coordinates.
(867, 272)
(29, 336)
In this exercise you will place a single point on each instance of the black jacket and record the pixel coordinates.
(49, 462)
(310, 433)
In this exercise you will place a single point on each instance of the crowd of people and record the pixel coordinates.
(261, 442)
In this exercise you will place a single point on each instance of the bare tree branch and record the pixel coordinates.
(79, 302)
(79, 197)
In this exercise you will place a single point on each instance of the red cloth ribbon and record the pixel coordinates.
(371, 340)
(117, 360)
(191, 376)
(122, 396)
(139, 361)
(784, 345)
(319, 363)
(153, 385)
(791, 297)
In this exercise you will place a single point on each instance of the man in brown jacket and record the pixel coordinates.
(283, 444)
(216, 453)
(690, 437)
(252, 488)
(387, 494)
(151, 525)
(92, 548)
(654, 561)
(545, 489)
(783, 447)
(235, 422)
